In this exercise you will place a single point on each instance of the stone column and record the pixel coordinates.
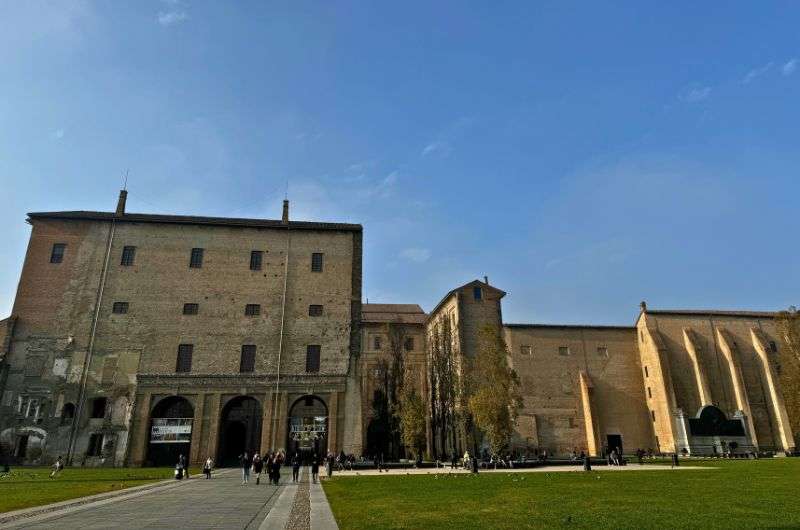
(281, 421)
(213, 425)
(333, 421)
(774, 395)
(195, 456)
(139, 435)
(703, 388)
(266, 423)
(731, 355)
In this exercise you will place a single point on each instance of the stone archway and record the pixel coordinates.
(308, 427)
(170, 431)
(239, 429)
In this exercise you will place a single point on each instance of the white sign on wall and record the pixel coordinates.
(171, 430)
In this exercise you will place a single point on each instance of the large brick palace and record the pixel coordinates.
(136, 337)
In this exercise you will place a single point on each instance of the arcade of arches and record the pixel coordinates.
(223, 426)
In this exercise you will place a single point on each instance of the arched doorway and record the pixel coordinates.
(170, 431)
(239, 429)
(308, 427)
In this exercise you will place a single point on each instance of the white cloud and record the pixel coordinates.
(417, 255)
(697, 94)
(58, 134)
(790, 67)
(757, 72)
(437, 148)
(170, 18)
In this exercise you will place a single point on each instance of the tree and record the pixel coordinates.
(788, 327)
(495, 400)
(412, 420)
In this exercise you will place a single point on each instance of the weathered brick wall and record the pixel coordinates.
(552, 417)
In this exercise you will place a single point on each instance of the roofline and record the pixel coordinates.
(453, 291)
(707, 313)
(194, 220)
(571, 326)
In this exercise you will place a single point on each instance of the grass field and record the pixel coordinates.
(730, 494)
(24, 487)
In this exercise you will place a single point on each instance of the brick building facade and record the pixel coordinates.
(134, 338)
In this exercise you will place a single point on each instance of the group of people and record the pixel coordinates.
(269, 464)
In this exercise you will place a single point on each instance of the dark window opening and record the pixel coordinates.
(409, 343)
(252, 310)
(190, 309)
(67, 413)
(196, 260)
(477, 293)
(57, 255)
(184, 362)
(248, 361)
(646, 373)
(256, 257)
(649, 393)
(773, 347)
(316, 262)
(120, 308)
(99, 408)
(312, 357)
(95, 445)
(128, 255)
(653, 415)
(376, 343)
(315, 310)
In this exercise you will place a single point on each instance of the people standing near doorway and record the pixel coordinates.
(296, 467)
(58, 465)
(258, 467)
(207, 467)
(245, 462)
(182, 462)
(314, 468)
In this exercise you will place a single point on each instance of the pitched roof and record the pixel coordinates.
(468, 284)
(399, 313)
(194, 220)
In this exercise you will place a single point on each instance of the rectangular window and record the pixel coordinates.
(477, 293)
(256, 257)
(526, 349)
(646, 373)
(95, 445)
(316, 262)
(376, 343)
(252, 310)
(409, 344)
(653, 415)
(190, 309)
(119, 308)
(184, 362)
(57, 254)
(773, 347)
(99, 408)
(248, 361)
(128, 255)
(312, 357)
(649, 393)
(196, 260)
(602, 351)
(315, 310)
(563, 350)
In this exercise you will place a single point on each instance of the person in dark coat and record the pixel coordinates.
(276, 469)
(314, 468)
(258, 467)
(245, 462)
(296, 467)
(183, 464)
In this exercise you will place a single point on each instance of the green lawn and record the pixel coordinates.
(730, 494)
(24, 487)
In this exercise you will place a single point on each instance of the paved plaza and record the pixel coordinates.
(222, 502)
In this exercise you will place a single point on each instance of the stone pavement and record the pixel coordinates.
(221, 502)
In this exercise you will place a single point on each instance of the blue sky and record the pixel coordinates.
(585, 156)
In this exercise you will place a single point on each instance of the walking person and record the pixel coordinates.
(184, 464)
(245, 462)
(276, 468)
(58, 465)
(258, 467)
(207, 465)
(296, 467)
(314, 468)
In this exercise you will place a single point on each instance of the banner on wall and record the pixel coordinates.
(171, 430)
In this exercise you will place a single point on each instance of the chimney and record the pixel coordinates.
(643, 306)
(285, 218)
(486, 280)
(123, 197)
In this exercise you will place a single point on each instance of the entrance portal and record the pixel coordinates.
(308, 427)
(239, 430)
(170, 431)
(614, 442)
